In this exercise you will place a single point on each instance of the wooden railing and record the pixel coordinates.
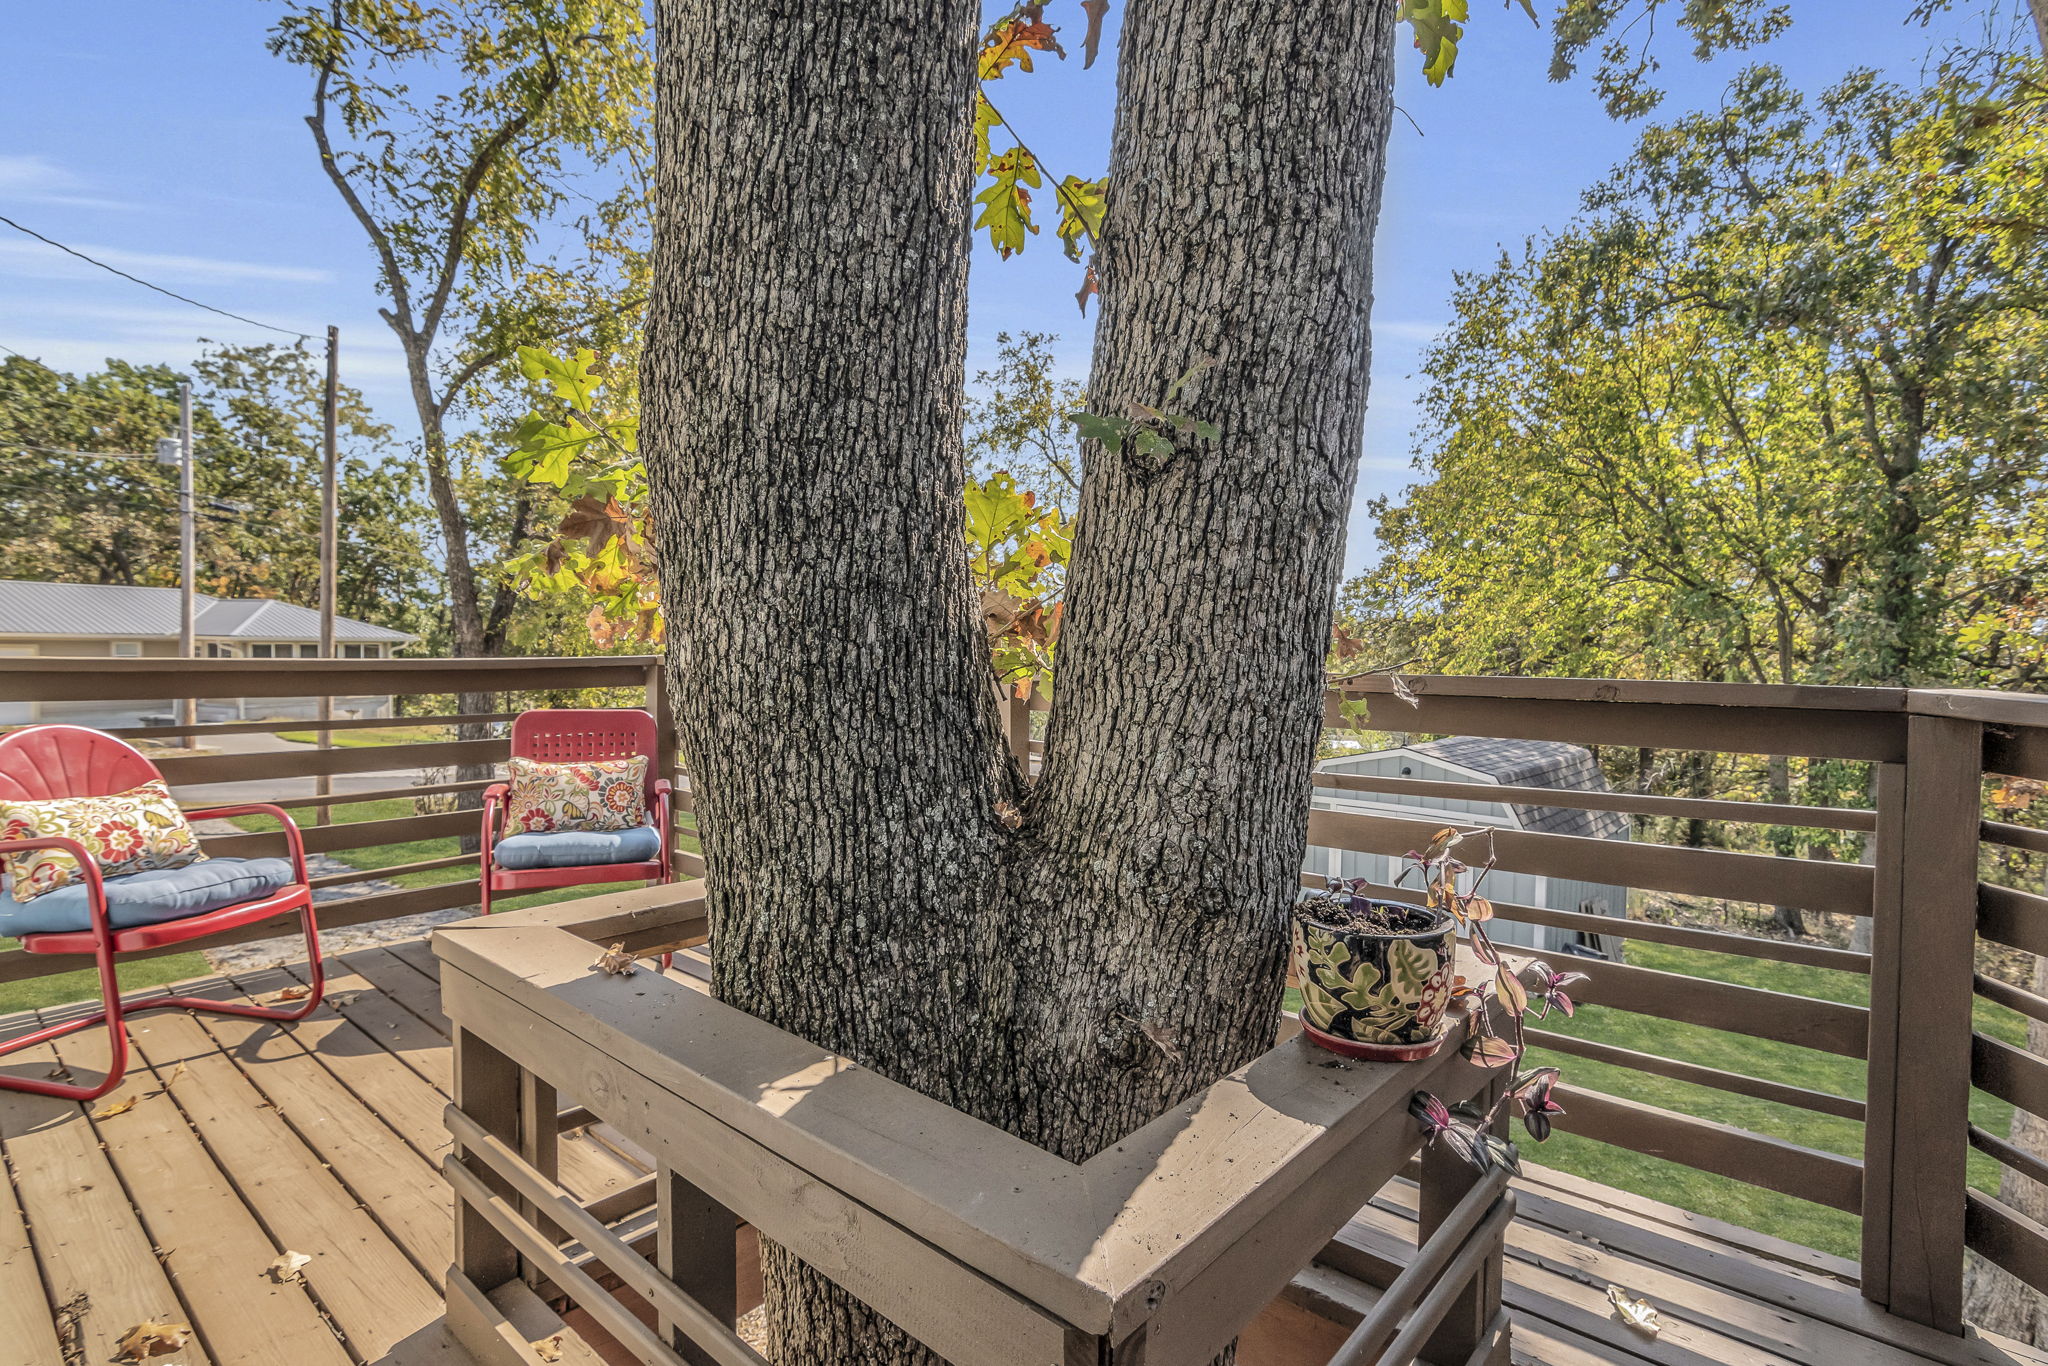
(276, 775)
(1919, 1046)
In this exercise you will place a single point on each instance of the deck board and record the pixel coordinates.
(323, 1138)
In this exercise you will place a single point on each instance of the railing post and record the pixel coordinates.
(1446, 1180)
(539, 1145)
(695, 1249)
(1923, 951)
(487, 1089)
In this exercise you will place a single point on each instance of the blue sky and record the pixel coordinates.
(167, 141)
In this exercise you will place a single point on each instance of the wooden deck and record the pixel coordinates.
(234, 1142)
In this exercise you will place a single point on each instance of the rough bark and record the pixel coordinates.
(1069, 962)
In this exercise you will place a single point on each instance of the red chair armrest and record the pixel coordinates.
(95, 883)
(497, 792)
(292, 838)
(494, 809)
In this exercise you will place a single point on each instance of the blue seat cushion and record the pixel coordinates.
(149, 898)
(578, 848)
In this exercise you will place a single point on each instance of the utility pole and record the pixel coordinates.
(188, 556)
(330, 547)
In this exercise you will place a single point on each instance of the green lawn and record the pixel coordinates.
(371, 735)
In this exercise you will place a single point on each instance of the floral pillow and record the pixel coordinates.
(606, 795)
(129, 832)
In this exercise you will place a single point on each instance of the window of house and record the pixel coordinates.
(259, 652)
(309, 652)
(127, 649)
(359, 652)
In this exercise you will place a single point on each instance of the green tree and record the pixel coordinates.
(491, 153)
(257, 430)
(1018, 419)
(1765, 413)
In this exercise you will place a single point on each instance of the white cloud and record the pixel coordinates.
(28, 259)
(37, 180)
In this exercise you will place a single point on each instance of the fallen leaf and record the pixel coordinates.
(59, 1073)
(287, 1269)
(1638, 1314)
(172, 1080)
(291, 994)
(117, 1107)
(339, 999)
(152, 1339)
(548, 1349)
(615, 961)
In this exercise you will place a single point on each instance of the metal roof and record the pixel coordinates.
(119, 611)
(1536, 763)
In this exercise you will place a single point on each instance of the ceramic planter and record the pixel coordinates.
(1373, 994)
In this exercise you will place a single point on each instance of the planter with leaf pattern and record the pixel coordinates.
(1375, 975)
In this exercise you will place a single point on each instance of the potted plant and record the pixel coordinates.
(1375, 975)
(1378, 981)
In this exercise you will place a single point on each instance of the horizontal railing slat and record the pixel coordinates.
(2027, 1003)
(52, 678)
(2013, 917)
(329, 839)
(1653, 932)
(2018, 1158)
(206, 769)
(2012, 1074)
(1758, 1159)
(1678, 808)
(1741, 1084)
(1812, 884)
(1731, 727)
(199, 730)
(2002, 1235)
(1828, 1026)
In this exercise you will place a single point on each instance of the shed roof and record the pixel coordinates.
(1529, 763)
(31, 608)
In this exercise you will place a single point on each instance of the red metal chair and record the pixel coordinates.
(572, 736)
(42, 763)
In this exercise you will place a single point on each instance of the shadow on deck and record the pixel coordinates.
(239, 1142)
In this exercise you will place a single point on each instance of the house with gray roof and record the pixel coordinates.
(1499, 763)
(120, 621)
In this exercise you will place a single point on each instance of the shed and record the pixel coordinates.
(1503, 763)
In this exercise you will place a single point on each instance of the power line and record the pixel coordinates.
(73, 251)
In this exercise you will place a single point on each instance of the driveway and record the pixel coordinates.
(265, 789)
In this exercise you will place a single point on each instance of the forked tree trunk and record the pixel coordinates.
(1069, 974)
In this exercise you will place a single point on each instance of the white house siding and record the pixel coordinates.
(1502, 885)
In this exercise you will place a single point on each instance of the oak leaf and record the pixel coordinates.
(291, 994)
(615, 961)
(115, 1107)
(1081, 206)
(1091, 41)
(150, 1338)
(288, 1268)
(1638, 1314)
(1012, 41)
(549, 1348)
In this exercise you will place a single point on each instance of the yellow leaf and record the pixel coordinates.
(1638, 1314)
(548, 1349)
(115, 1107)
(291, 994)
(288, 1268)
(1513, 994)
(615, 961)
(150, 1338)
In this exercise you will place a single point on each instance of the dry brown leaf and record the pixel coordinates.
(548, 1349)
(288, 1268)
(1162, 1039)
(150, 1338)
(291, 994)
(172, 1080)
(59, 1073)
(615, 961)
(115, 1107)
(1095, 10)
(340, 999)
(1640, 1315)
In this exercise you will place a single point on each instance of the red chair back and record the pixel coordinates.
(41, 763)
(586, 736)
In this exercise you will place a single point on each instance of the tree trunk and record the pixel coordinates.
(1994, 1299)
(1067, 963)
